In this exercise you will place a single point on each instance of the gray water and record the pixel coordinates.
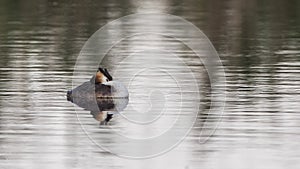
(259, 46)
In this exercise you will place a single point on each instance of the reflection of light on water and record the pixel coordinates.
(148, 71)
(146, 63)
(150, 6)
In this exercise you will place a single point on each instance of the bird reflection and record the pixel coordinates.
(102, 109)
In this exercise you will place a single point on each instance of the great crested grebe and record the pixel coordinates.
(100, 95)
(95, 87)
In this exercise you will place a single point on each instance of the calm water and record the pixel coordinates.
(259, 46)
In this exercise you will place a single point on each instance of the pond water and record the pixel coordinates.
(259, 47)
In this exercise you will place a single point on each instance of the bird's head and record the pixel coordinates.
(102, 76)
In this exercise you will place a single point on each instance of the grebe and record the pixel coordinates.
(97, 87)
(101, 95)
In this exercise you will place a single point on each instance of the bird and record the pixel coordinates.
(96, 87)
(100, 95)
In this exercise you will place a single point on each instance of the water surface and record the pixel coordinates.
(259, 46)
